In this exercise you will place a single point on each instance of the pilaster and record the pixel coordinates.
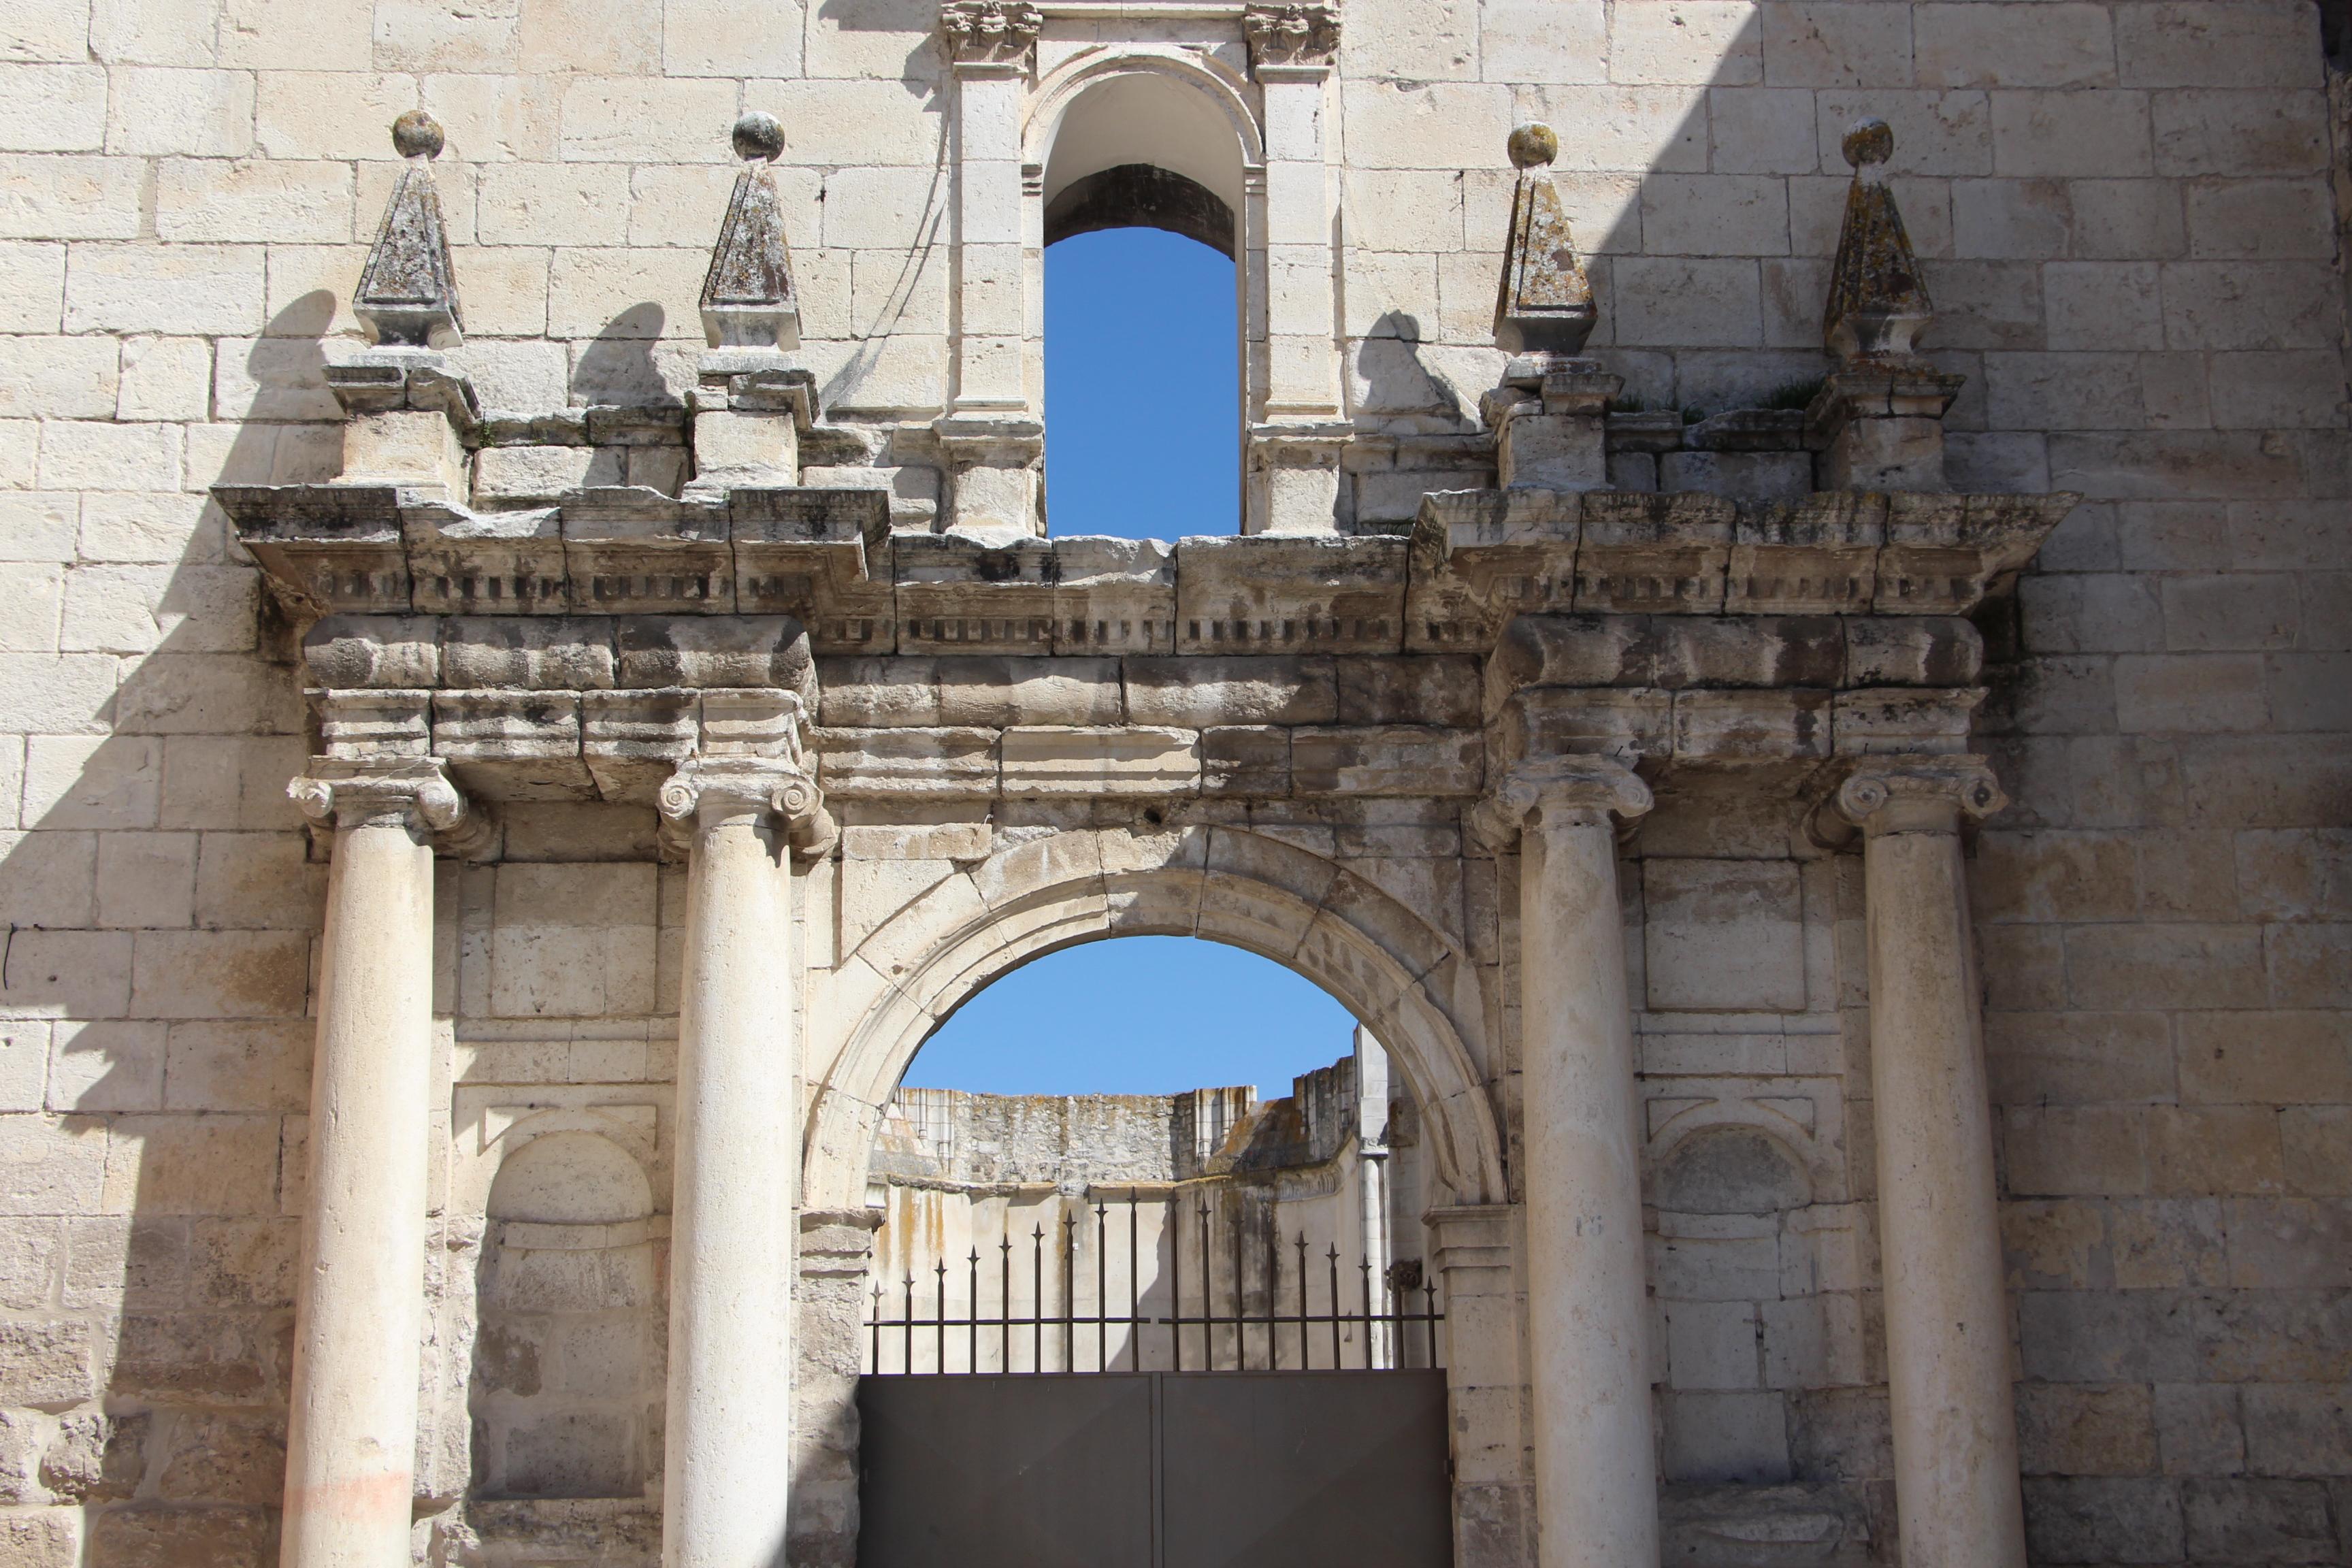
(1300, 432)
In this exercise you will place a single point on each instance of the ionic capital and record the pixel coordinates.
(1290, 37)
(989, 32)
(706, 792)
(416, 794)
(1562, 792)
(1919, 794)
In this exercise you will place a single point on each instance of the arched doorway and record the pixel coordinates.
(1402, 977)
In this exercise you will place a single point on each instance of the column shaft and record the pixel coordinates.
(738, 1144)
(1588, 1311)
(1940, 1236)
(352, 1429)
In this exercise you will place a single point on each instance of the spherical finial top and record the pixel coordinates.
(1868, 141)
(757, 135)
(416, 134)
(1532, 145)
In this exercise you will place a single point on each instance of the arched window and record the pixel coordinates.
(1143, 204)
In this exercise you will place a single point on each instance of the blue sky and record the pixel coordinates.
(1142, 386)
(1143, 1014)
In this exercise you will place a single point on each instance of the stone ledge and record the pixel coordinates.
(826, 556)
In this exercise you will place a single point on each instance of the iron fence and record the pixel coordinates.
(1383, 1310)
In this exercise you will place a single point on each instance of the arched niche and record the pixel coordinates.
(565, 1389)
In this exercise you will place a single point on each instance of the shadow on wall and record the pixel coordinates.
(1710, 267)
(161, 905)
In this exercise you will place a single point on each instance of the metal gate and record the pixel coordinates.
(1156, 1469)
(1215, 1428)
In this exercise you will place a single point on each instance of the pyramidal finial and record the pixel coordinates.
(408, 294)
(1546, 303)
(1878, 302)
(747, 296)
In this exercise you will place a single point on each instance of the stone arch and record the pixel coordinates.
(1399, 975)
(1217, 89)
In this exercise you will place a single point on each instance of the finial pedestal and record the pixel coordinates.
(751, 403)
(1551, 422)
(1878, 420)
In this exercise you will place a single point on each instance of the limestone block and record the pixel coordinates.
(898, 764)
(2091, 1518)
(1712, 1345)
(513, 745)
(567, 653)
(746, 448)
(1767, 476)
(1289, 595)
(2104, 135)
(543, 473)
(1751, 726)
(145, 1536)
(765, 651)
(245, 1066)
(573, 941)
(1387, 760)
(83, 455)
(1726, 1437)
(2086, 1429)
(49, 196)
(979, 691)
(147, 880)
(81, 781)
(57, 378)
(631, 741)
(2077, 1058)
(181, 289)
(220, 974)
(46, 1362)
(1430, 690)
(1250, 761)
(1723, 935)
(1198, 692)
(1070, 759)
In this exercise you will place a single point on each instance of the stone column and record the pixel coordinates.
(1947, 1367)
(726, 1474)
(351, 1439)
(1588, 1305)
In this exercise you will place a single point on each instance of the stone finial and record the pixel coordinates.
(408, 294)
(747, 295)
(1545, 302)
(1291, 34)
(989, 32)
(1878, 303)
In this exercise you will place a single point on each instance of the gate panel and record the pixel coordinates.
(1226, 1469)
(1321, 1470)
(1005, 1472)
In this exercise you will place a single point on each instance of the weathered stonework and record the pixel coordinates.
(1505, 639)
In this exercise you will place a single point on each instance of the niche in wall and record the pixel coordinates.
(566, 1393)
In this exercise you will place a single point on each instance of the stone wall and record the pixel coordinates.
(2130, 216)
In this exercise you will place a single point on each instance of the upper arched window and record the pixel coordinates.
(1143, 197)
